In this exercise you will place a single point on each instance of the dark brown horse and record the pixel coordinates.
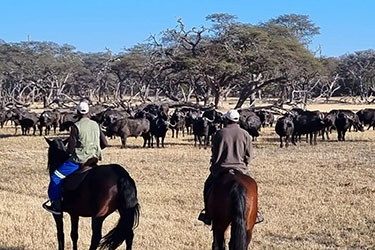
(105, 189)
(233, 201)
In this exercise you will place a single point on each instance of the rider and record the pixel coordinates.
(231, 149)
(84, 143)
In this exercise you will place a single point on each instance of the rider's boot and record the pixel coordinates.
(54, 208)
(204, 217)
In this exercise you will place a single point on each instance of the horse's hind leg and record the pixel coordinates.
(74, 230)
(219, 240)
(249, 234)
(60, 230)
(96, 226)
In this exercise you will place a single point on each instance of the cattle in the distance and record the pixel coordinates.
(67, 120)
(329, 124)
(127, 127)
(250, 122)
(367, 117)
(307, 123)
(109, 116)
(266, 117)
(155, 109)
(158, 129)
(349, 113)
(24, 118)
(284, 128)
(177, 122)
(191, 115)
(3, 118)
(27, 122)
(345, 120)
(16, 115)
(47, 120)
(214, 115)
(201, 129)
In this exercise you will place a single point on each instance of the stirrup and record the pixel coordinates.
(260, 218)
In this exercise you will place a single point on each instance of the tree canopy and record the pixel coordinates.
(227, 58)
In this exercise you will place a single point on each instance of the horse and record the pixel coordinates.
(105, 189)
(233, 200)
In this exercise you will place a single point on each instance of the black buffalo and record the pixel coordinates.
(201, 130)
(266, 117)
(307, 123)
(67, 120)
(24, 118)
(284, 128)
(345, 120)
(177, 122)
(49, 119)
(158, 129)
(3, 118)
(127, 127)
(367, 117)
(109, 116)
(191, 115)
(250, 122)
(27, 122)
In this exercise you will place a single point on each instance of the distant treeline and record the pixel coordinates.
(229, 58)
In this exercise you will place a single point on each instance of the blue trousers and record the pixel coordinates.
(54, 188)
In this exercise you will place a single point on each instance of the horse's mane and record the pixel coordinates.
(57, 154)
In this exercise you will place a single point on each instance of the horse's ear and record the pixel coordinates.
(49, 141)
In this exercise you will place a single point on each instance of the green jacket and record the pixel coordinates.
(88, 141)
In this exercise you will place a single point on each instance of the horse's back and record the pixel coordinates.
(99, 186)
(225, 191)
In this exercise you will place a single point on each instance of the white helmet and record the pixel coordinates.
(232, 115)
(83, 108)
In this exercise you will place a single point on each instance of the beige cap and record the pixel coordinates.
(232, 115)
(83, 108)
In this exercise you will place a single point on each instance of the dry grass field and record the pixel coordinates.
(312, 197)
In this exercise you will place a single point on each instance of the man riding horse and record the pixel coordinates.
(84, 143)
(231, 149)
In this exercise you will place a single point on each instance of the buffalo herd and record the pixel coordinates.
(152, 121)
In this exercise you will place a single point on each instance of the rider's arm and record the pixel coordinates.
(72, 140)
(103, 140)
(214, 150)
(248, 151)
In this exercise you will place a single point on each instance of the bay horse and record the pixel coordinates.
(105, 189)
(233, 200)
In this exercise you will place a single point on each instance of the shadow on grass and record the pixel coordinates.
(8, 136)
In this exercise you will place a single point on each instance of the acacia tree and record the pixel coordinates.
(357, 72)
(300, 26)
(272, 56)
(329, 83)
(38, 70)
(178, 52)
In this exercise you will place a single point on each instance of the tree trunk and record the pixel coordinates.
(252, 97)
(245, 93)
(207, 97)
(217, 99)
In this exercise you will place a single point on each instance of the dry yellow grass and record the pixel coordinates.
(313, 197)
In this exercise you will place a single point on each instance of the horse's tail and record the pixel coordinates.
(238, 230)
(129, 214)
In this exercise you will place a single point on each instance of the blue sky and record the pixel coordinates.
(91, 26)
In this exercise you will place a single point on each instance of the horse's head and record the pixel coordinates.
(57, 154)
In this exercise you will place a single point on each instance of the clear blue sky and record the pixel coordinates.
(91, 26)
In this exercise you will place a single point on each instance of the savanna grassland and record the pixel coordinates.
(312, 197)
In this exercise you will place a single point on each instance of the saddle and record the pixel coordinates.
(73, 181)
